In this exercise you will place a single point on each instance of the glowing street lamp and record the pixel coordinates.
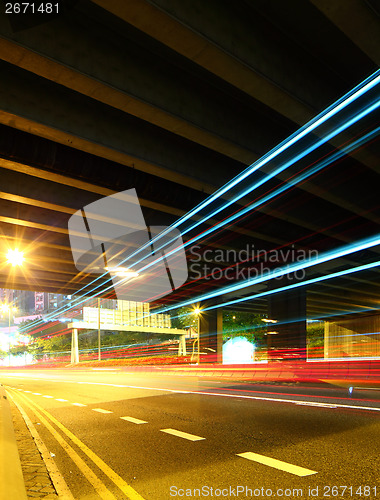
(15, 257)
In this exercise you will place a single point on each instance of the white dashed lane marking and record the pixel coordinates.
(134, 420)
(78, 404)
(65, 400)
(277, 464)
(184, 435)
(100, 410)
(50, 397)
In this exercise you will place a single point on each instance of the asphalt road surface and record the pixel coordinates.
(115, 434)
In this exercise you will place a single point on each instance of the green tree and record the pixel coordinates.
(235, 324)
(315, 338)
(51, 336)
(3, 354)
(17, 350)
(30, 327)
(244, 324)
(183, 318)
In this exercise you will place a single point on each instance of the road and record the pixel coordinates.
(116, 434)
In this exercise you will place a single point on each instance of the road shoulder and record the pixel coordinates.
(38, 482)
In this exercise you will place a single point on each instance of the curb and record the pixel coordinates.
(11, 477)
(55, 477)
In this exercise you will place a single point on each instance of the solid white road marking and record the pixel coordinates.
(184, 435)
(202, 393)
(100, 410)
(106, 369)
(78, 404)
(134, 420)
(99, 383)
(277, 464)
(310, 403)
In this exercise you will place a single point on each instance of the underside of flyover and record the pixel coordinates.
(174, 99)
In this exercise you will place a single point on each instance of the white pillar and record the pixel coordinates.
(182, 345)
(74, 346)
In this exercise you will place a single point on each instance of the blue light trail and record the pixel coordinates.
(327, 256)
(311, 126)
(342, 103)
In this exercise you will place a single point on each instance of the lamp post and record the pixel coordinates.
(197, 312)
(99, 346)
(15, 258)
(8, 308)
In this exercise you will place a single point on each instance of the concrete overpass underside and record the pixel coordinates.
(174, 99)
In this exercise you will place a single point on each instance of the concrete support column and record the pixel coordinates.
(289, 310)
(182, 346)
(211, 334)
(74, 346)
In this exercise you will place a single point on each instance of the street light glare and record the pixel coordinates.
(15, 257)
(7, 307)
(197, 311)
(122, 272)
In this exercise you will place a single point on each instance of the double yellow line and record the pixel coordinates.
(47, 419)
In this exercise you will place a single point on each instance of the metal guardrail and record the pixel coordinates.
(11, 478)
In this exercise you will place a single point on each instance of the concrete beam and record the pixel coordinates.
(73, 196)
(20, 122)
(96, 61)
(61, 188)
(162, 115)
(83, 325)
(342, 302)
(212, 53)
(73, 120)
(356, 19)
(235, 47)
